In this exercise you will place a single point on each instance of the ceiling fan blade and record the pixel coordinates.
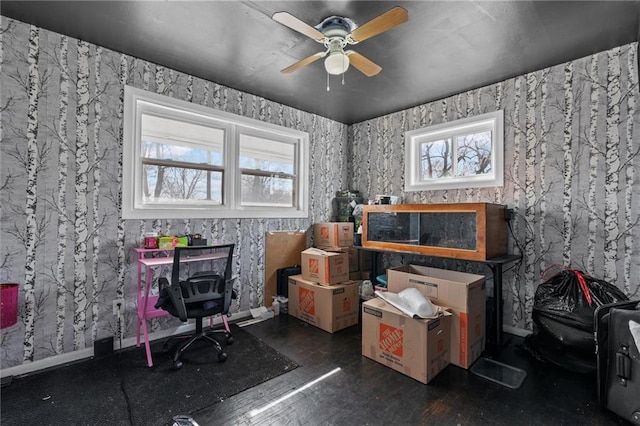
(386, 21)
(303, 63)
(362, 64)
(295, 24)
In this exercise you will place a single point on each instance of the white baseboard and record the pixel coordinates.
(52, 361)
(66, 358)
(516, 331)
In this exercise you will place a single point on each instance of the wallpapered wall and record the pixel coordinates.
(571, 150)
(63, 239)
(571, 155)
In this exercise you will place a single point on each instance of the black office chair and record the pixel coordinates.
(201, 286)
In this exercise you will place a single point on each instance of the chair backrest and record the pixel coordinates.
(197, 261)
(204, 287)
(201, 282)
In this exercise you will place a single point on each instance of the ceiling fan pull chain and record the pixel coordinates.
(328, 82)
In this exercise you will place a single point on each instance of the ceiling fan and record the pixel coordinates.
(336, 32)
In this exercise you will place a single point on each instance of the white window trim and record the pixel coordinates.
(136, 101)
(493, 121)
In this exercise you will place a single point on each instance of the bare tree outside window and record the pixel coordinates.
(436, 159)
(474, 154)
(465, 153)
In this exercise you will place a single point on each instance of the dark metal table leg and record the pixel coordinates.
(497, 305)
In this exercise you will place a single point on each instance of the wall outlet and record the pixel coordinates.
(118, 307)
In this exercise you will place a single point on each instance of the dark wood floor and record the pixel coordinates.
(364, 392)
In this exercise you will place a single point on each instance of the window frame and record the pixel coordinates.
(138, 102)
(493, 121)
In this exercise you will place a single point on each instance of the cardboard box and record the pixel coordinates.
(333, 234)
(462, 292)
(281, 249)
(418, 348)
(354, 260)
(330, 308)
(324, 267)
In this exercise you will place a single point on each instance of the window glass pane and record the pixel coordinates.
(474, 153)
(163, 184)
(185, 160)
(267, 191)
(176, 140)
(435, 159)
(264, 154)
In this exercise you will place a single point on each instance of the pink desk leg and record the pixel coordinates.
(140, 313)
(146, 346)
(224, 320)
(144, 320)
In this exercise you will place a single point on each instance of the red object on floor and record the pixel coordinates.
(8, 305)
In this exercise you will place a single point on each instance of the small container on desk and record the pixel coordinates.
(151, 240)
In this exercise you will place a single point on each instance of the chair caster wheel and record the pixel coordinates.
(229, 339)
(177, 365)
(222, 356)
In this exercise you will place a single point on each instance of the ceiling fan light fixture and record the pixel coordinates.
(336, 63)
(336, 32)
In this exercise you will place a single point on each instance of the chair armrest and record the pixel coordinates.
(175, 293)
(163, 282)
(228, 292)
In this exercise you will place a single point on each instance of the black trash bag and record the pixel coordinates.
(563, 310)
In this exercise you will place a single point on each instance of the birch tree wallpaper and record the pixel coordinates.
(571, 151)
(63, 238)
(571, 154)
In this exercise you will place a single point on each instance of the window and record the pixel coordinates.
(466, 153)
(267, 171)
(183, 160)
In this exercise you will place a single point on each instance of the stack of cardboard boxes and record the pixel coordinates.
(421, 348)
(339, 236)
(323, 295)
(326, 295)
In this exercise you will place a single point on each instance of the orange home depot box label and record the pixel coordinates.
(346, 305)
(463, 341)
(390, 339)
(333, 234)
(325, 233)
(314, 266)
(329, 307)
(306, 301)
(325, 267)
